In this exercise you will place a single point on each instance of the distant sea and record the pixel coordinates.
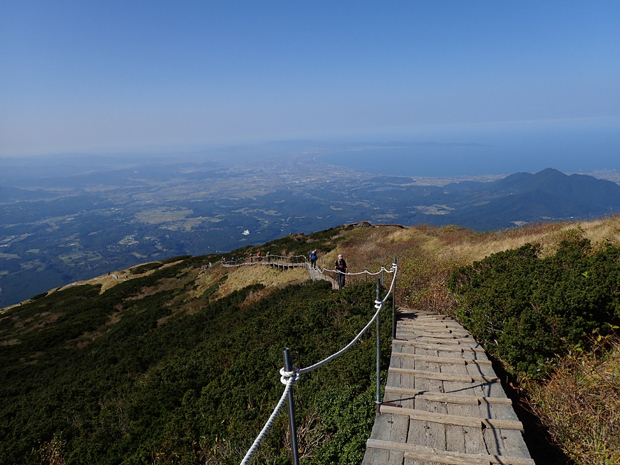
(573, 146)
(426, 161)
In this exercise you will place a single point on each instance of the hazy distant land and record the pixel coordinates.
(72, 218)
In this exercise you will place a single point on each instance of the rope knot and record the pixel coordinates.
(378, 304)
(285, 375)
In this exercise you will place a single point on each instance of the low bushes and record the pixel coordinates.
(526, 309)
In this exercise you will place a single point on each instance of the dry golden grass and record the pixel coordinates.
(580, 404)
(243, 276)
(113, 278)
(206, 279)
(426, 255)
(478, 246)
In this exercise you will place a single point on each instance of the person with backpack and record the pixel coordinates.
(341, 268)
(313, 259)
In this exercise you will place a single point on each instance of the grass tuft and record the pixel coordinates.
(580, 404)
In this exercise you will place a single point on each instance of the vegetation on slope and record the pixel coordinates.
(579, 402)
(165, 363)
(540, 291)
(146, 373)
(526, 309)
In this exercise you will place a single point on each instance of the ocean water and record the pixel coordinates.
(414, 161)
(502, 149)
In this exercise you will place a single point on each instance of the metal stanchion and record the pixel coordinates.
(378, 401)
(288, 366)
(394, 307)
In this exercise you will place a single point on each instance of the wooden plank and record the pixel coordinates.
(425, 433)
(440, 347)
(465, 439)
(439, 413)
(440, 325)
(449, 398)
(421, 334)
(453, 419)
(447, 457)
(388, 428)
(436, 333)
(442, 341)
(431, 326)
(465, 378)
(451, 360)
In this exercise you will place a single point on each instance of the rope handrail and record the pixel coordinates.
(288, 378)
(274, 259)
(378, 305)
(289, 384)
(348, 273)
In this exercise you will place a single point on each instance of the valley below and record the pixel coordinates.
(74, 219)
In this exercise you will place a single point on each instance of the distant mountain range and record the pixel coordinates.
(524, 197)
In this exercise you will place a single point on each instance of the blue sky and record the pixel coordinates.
(83, 76)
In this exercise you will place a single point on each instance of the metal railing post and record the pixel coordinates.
(288, 366)
(394, 307)
(378, 401)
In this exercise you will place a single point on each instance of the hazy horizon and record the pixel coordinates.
(535, 83)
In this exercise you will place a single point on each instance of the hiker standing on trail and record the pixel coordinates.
(250, 257)
(268, 257)
(341, 268)
(259, 257)
(313, 259)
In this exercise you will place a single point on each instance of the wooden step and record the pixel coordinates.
(429, 454)
(448, 398)
(444, 376)
(443, 347)
(445, 360)
(431, 325)
(436, 335)
(456, 420)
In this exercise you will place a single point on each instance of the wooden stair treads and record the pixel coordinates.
(474, 422)
(448, 398)
(449, 458)
(444, 360)
(444, 376)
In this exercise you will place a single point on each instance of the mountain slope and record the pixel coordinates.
(177, 361)
(524, 198)
(589, 195)
(143, 371)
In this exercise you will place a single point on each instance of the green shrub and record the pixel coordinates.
(125, 380)
(526, 309)
(146, 267)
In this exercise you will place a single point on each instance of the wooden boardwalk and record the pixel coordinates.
(443, 403)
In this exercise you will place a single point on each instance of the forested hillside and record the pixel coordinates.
(177, 361)
(136, 375)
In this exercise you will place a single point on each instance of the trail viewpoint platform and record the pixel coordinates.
(443, 403)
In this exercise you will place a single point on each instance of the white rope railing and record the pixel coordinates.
(288, 385)
(291, 377)
(366, 272)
